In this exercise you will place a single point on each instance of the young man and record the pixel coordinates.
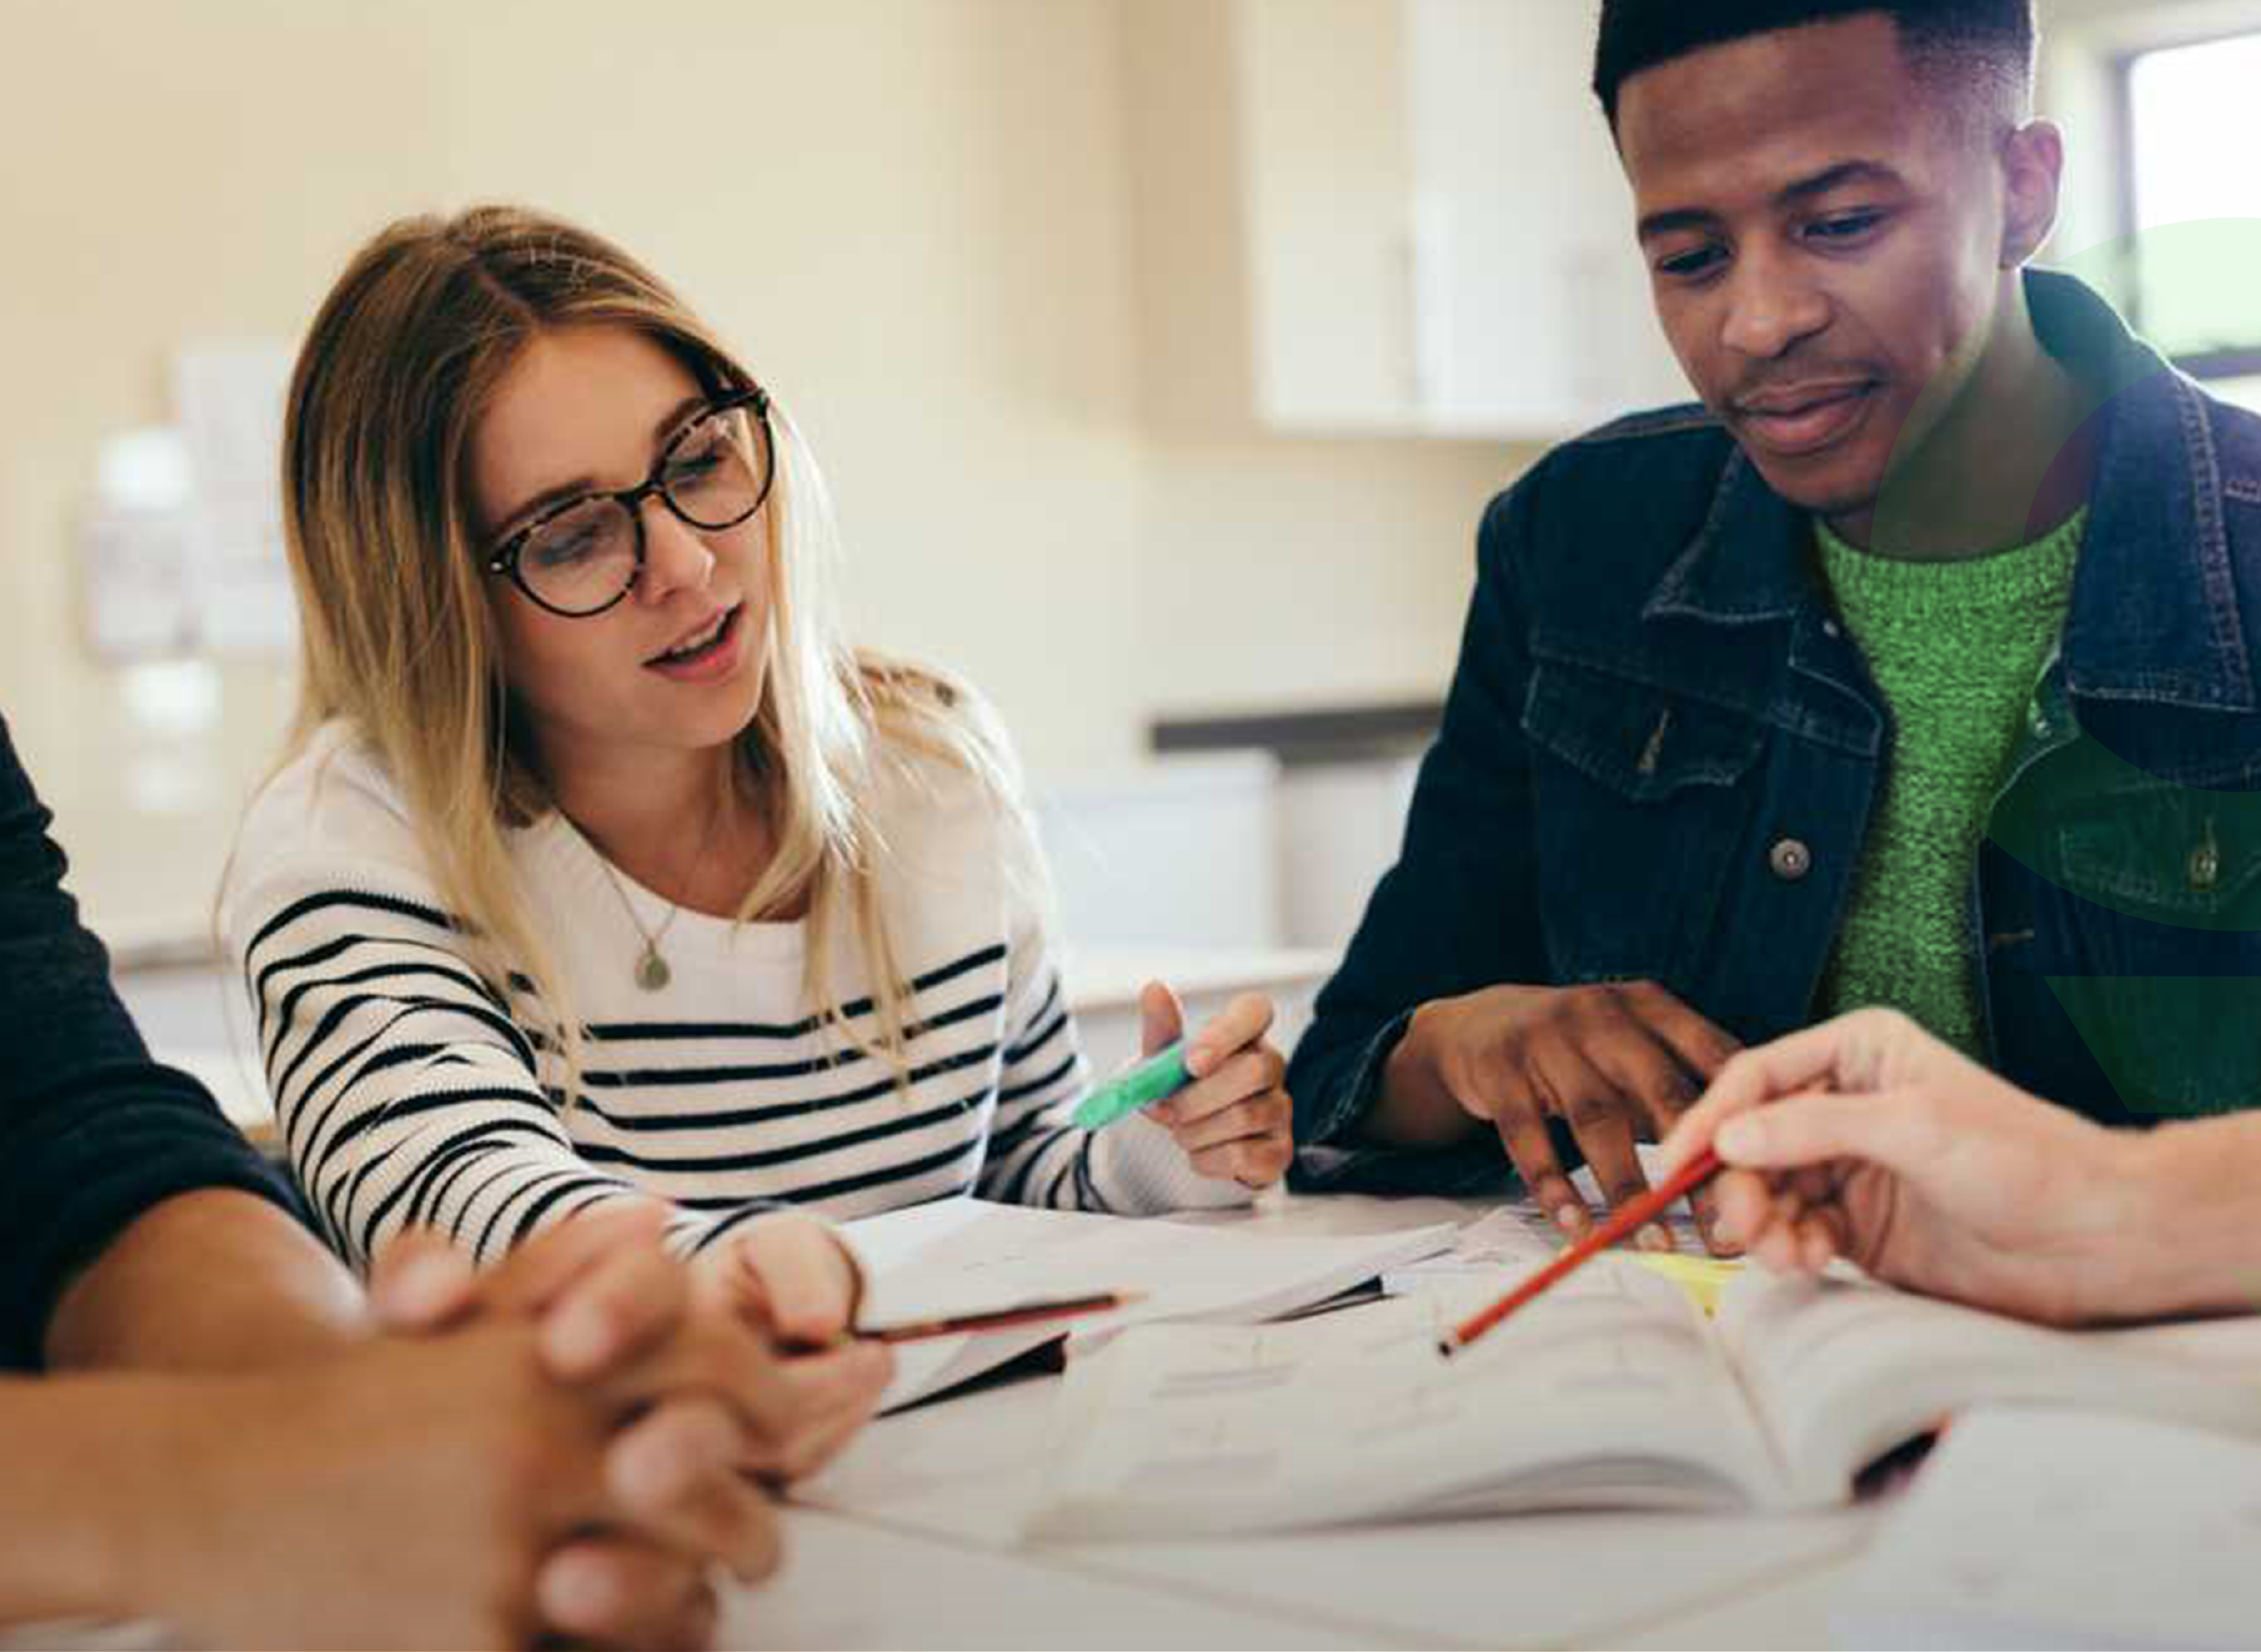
(1915, 667)
(555, 1449)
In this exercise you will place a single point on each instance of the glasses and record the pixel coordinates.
(580, 558)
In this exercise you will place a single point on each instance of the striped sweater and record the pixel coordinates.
(408, 1092)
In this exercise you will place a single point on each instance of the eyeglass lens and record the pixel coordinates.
(711, 476)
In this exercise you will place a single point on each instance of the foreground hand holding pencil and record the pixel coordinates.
(1869, 1140)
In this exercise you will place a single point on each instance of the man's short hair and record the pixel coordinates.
(1979, 51)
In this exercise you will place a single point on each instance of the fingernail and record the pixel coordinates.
(1653, 1238)
(1738, 1138)
(1570, 1217)
(1724, 1232)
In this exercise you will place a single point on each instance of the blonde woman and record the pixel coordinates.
(601, 865)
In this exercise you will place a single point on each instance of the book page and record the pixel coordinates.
(1516, 1236)
(1843, 1370)
(1607, 1392)
(964, 1255)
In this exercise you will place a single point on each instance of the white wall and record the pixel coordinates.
(914, 216)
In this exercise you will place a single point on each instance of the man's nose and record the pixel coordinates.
(1772, 306)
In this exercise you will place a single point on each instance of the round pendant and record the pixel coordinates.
(652, 972)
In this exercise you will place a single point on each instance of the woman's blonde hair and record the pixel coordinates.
(399, 640)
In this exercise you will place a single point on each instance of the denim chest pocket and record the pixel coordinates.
(1634, 738)
(2166, 913)
(2173, 854)
(1638, 800)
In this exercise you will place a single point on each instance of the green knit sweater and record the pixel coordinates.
(1956, 649)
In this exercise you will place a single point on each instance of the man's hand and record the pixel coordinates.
(602, 1295)
(1617, 1064)
(410, 1493)
(1867, 1139)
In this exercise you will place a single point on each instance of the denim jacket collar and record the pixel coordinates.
(1747, 563)
(2155, 613)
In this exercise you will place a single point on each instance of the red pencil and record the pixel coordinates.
(1641, 1212)
(1019, 1313)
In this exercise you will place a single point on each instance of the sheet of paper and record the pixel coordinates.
(2064, 1529)
(1608, 1393)
(960, 1255)
(1519, 1236)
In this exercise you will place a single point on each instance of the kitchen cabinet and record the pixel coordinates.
(1383, 217)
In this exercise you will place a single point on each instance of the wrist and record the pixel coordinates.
(213, 1279)
(1413, 1106)
(2191, 1236)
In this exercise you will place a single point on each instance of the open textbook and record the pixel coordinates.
(961, 1255)
(1613, 1390)
(2059, 1528)
(1517, 1236)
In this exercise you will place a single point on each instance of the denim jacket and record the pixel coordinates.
(1661, 753)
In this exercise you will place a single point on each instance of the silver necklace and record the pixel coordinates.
(652, 973)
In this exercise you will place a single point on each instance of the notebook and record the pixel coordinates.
(961, 1255)
(2062, 1528)
(1613, 1390)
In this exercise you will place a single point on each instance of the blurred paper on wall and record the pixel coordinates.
(133, 548)
(228, 396)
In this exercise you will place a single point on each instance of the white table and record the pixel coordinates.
(911, 1540)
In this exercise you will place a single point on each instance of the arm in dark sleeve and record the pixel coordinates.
(93, 1132)
(1458, 911)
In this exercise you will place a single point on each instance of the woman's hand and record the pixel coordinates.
(1233, 1119)
(788, 1276)
(1867, 1139)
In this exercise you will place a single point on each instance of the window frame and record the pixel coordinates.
(2244, 360)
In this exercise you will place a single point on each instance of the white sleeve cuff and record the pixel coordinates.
(1140, 1170)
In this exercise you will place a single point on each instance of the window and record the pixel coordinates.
(2193, 202)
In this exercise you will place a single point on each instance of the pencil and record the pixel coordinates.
(1641, 1212)
(1019, 1313)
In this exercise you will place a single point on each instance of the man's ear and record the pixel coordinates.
(2032, 168)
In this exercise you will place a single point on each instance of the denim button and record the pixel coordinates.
(1831, 630)
(1790, 859)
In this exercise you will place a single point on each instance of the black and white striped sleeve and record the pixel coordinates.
(406, 1092)
(1037, 1155)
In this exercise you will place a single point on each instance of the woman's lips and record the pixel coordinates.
(715, 661)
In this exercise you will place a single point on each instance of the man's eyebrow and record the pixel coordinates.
(1804, 189)
(660, 434)
(1836, 178)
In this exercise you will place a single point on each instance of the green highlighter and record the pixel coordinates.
(1156, 1078)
